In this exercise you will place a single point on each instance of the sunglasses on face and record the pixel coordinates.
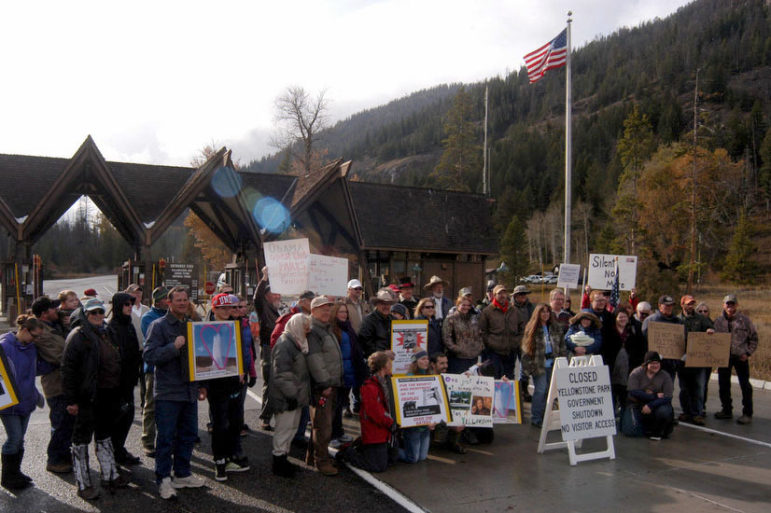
(702, 311)
(96, 312)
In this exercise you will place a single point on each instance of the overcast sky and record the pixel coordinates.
(155, 81)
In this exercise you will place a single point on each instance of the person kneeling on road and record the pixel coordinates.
(650, 397)
(378, 428)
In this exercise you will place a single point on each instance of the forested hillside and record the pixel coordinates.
(653, 68)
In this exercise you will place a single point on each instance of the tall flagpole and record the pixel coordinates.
(568, 147)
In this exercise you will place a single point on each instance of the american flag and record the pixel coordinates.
(614, 292)
(552, 55)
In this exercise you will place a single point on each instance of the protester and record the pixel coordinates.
(159, 309)
(586, 300)
(176, 410)
(224, 396)
(358, 308)
(627, 338)
(444, 435)
(325, 364)
(375, 332)
(703, 309)
(399, 312)
(406, 297)
(558, 312)
(643, 310)
(436, 286)
(241, 316)
(650, 398)
(499, 326)
(541, 344)
(123, 336)
(416, 440)
(21, 354)
(91, 374)
(692, 379)
(744, 342)
(68, 303)
(378, 427)
(425, 311)
(50, 348)
(462, 337)
(266, 303)
(289, 388)
(354, 367)
(584, 336)
(665, 313)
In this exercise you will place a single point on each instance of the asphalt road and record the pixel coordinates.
(105, 286)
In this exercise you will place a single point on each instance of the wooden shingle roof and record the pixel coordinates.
(418, 219)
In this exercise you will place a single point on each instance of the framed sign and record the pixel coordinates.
(8, 396)
(471, 399)
(506, 409)
(407, 338)
(420, 400)
(214, 350)
(667, 339)
(705, 350)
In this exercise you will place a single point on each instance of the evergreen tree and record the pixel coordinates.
(513, 250)
(460, 166)
(739, 265)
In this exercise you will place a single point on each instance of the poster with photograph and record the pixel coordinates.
(506, 408)
(471, 399)
(8, 396)
(407, 338)
(420, 400)
(214, 350)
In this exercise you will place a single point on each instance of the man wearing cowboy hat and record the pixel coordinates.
(436, 286)
(375, 332)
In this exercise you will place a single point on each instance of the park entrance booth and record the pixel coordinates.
(374, 226)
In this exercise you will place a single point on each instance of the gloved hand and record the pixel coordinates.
(291, 404)
(252, 381)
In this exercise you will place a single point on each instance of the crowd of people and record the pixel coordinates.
(323, 360)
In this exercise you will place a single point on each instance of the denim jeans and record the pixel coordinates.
(15, 427)
(692, 389)
(177, 427)
(415, 443)
(61, 431)
(503, 365)
(541, 390)
(724, 381)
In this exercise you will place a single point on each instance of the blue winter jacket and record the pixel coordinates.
(23, 362)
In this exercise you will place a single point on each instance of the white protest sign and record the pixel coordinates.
(471, 399)
(602, 271)
(288, 265)
(328, 275)
(586, 406)
(568, 276)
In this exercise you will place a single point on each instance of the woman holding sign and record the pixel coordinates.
(541, 344)
(21, 356)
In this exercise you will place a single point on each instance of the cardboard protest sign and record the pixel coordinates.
(214, 350)
(506, 403)
(407, 338)
(8, 395)
(471, 399)
(328, 275)
(585, 403)
(667, 339)
(602, 271)
(705, 350)
(420, 400)
(288, 265)
(568, 276)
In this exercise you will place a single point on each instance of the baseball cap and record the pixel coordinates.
(666, 300)
(687, 299)
(320, 301)
(730, 298)
(521, 289)
(160, 293)
(652, 356)
(223, 299)
(93, 304)
(354, 284)
(499, 288)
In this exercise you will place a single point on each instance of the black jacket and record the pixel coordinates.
(375, 333)
(80, 364)
(123, 335)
